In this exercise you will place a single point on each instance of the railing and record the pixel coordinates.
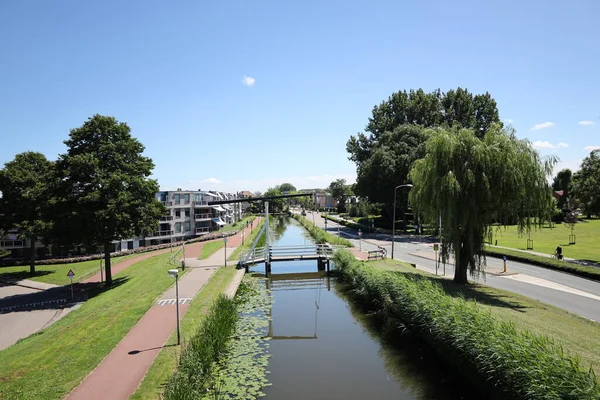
(201, 231)
(167, 218)
(162, 233)
(198, 217)
(12, 243)
(200, 203)
(289, 252)
(380, 253)
(167, 203)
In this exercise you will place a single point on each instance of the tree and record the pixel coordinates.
(562, 182)
(394, 135)
(275, 205)
(23, 183)
(586, 184)
(340, 191)
(287, 188)
(103, 191)
(473, 182)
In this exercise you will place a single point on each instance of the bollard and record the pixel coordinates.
(504, 258)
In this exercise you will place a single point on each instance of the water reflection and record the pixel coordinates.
(322, 347)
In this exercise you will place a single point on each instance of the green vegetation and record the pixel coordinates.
(57, 273)
(546, 239)
(210, 248)
(577, 335)
(165, 363)
(194, 376)
(319, 235)
(238, 226)
(247, 241)
(73, 346)
(496, 355)
(551, 263)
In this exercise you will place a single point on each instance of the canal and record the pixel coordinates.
(324, 347)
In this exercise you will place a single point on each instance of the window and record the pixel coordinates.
(186, 226)
(198, 197)
(178, 213)
(176, 198)
(187, 213)
(178, 227)
(186, 198)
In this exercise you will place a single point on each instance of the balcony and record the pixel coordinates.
(162, 233)
(200, 203)
(167, 203)
(202, 231)
(200, 217)
(12, 243)
(166, 218)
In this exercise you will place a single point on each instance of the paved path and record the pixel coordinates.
(121, 372)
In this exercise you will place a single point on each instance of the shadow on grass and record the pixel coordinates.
(55, 298)
(470, 291)
(134, 352)
(12, 277)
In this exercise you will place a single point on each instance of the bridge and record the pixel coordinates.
(322, 253)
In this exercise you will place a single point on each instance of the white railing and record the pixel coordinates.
(167, 218)
(162, 233)
(259, 254)
(201, 231)
(198, 217)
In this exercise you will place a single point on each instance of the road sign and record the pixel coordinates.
(225, 239)
(359, 233)
(71, 274)
(436, 247)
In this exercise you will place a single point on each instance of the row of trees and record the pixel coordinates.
(96, 192)
(581, 190)
(466, 168)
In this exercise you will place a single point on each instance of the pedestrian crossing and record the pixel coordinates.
(170, 302)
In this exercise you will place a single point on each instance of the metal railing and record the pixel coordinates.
(258, 254)
(162, 233)
(198, 217)
(200, 231)
(12, 243)
(167, 218)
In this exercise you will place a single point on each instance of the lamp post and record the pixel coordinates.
(175, 274)
(326, 224)
(408, 185)
(225, 242)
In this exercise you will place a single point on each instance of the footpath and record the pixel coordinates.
(122, 370)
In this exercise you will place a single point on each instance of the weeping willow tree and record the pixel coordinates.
(471, 183)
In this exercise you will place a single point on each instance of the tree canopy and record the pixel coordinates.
(585, 184)
(103, 190)
(472, 182)
(395, 136)
(24, 201)
(340, 191)
(287, 188)
(562, 181)
(275, 205)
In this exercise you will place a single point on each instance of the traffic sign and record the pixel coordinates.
(359, 233)
(225, 239)
(71, 274)
(436, 247)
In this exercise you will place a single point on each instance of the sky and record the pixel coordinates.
(245, 95)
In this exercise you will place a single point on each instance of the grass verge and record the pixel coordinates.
(75, 345)
(210, 248)
(247, 241)
(57, 273)
(495, 355)
(194, 376)
(319, 235)
(551, 263)
(241, 224)
(165, 363)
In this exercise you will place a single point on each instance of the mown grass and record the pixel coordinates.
(57, 274)
(319, 235)
(247, 241)
(52, 362)
(194, 376)
(546, 239)
(241, 224)
(551, 263)
(577, 335)
(165, 363)
(210, 248)
(498, 357)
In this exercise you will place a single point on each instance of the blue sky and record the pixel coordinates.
(244, 95)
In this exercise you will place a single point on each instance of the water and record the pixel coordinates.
(324, 348)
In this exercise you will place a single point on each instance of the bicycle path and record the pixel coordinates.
(123, 369)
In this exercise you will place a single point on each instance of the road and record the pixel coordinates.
(574, 294)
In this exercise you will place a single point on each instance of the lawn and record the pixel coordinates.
(238, 225)
(546, 239)
(52, 362)
(57, 273)
(577, 335)
(210, 248)
(166, 361)
(248, 241)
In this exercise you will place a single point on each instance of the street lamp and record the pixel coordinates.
(325, 223)
(408, 185)
(175, 274)
(225, 242)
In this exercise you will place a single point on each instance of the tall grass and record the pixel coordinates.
(319, 235)
(493, 355)
(194, 378)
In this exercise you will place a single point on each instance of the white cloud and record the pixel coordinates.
(509, 121)
(542, 145)
(561, 144)
(541, 126)
(211, 181)
(248, 80)
(586, 123)
(591, 148)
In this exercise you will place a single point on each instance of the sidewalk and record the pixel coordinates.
(121, 372)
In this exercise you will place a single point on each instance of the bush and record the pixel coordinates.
(494, 355)
(319, 235)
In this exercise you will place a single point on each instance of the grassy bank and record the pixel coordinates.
(165, 363)
(319, 235)
(551, 263)
(247, 241)
(194, 376)
(495, 355)
(49, 364)
(210, 248)
(57, 273)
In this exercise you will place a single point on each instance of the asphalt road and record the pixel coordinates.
(574, 294)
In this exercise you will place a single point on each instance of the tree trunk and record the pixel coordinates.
(32, 256)
(461, 266)
(107, 273)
